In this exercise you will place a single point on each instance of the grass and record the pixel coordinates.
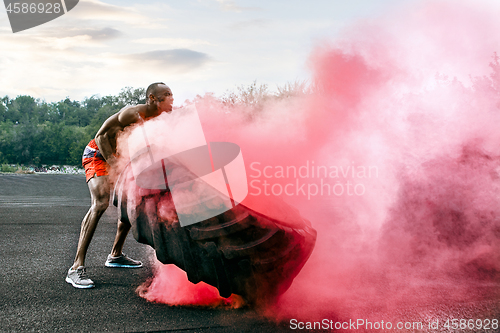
(8, 168)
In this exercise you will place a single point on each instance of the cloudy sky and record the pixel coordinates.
(195, 46)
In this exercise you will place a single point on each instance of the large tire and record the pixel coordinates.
(240, 251)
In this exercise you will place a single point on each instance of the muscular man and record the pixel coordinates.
(97, 158)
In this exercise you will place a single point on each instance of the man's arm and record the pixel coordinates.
(106, 136)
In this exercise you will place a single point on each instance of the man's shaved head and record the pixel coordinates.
(153, 89)
(160, 97)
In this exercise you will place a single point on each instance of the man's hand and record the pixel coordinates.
(104, 145)
(112, 160)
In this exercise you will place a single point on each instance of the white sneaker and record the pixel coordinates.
(78, 278)
(122, 261)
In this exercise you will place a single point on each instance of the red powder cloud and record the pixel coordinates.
(414, 98)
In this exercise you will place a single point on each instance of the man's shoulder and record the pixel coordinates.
(139, 108)
(131, 114)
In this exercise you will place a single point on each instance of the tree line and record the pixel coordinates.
(34, 132)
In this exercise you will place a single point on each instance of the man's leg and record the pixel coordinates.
(116, 258)
(121, 234)
(99, 193)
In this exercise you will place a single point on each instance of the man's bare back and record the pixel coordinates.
(107, 134)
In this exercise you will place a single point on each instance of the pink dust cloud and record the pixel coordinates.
(416, 95)
(171, 286)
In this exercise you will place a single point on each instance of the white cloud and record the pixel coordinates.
(98, 10)
(68, 42)
(175, 60)
(171, 42)
(231, 6)
(98, 34)
(260, 23)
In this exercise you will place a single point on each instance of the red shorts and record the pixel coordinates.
(93, 162)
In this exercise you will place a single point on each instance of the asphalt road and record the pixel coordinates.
(40, 217)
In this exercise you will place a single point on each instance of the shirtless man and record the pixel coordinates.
(97, 158)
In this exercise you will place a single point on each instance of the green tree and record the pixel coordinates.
(131, 96)
(27, 106)
(6, 138)
(23, 138)
(3, 111)
(104, 113)
(34, 131)
(68, 111)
